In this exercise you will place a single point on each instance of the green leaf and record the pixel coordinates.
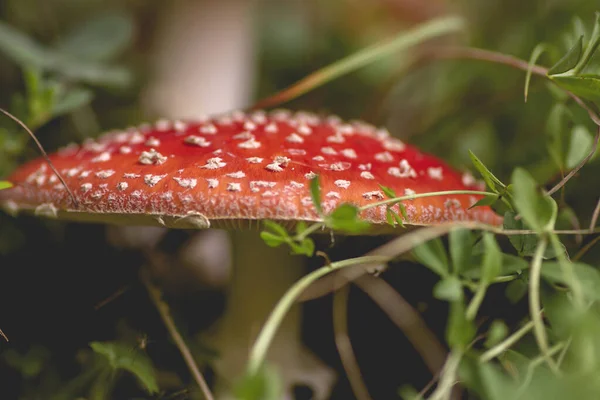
(101, 38)
(5, 185)
(345, 218)
(461, 245)
(459, 331)
(492, 258)
(535, 54)
(24, 51)
(73, 99)
(433, 255)
(315, 194)
(276, 228)
(264, 385)
(580, 145)
(588, 277)
(538, 210)
(497, 332)
(448, 289)
(305, 247)
(390, 193)
(491, 181)
(134, 360)
(591, 47)
(271, 239)
(569, 60)
(556, 133)
(486, 201)
(393, 218)
(584, 86)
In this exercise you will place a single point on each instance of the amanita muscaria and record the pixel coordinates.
(232, 171)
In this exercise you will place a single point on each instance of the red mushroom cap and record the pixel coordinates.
(240, 167)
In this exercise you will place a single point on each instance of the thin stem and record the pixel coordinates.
(344, 345)
(536, 362)
(44, 154)
(534, 302)
(421, 195)
(595, 215)
(506, 343)
(476, 301)
(448, 378)
(163, 309)
(567, 269)
(260, 347)
(3, 335)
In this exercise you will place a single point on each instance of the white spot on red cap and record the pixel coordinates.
(304, 130)
(244, 136)
(104, 156)
(310, 175)
(409, 192)
(124, 149)
(393, 144)
(212, 183)
(129, 175)
(249, 144)
(214, 163)
(278, 163)
(337, 138)
(295, 138)
(187, 183)
(86, 187)
(405, 170)
(349, 153)
(366, 175)
(234, 187)
(384, 156)
(376, 194)
(122, 186)
(341, 183)
(271, 128)
(297, 152)
(318, 158)
(237, 174)
(197, 141)
(208, 129)
(338, 166)
(333, 195)
(152, 157)
(435, 173)
(249, 125)
(105, 174)
(329, 151)
(254, 160)
(152, 180)
(152, 142)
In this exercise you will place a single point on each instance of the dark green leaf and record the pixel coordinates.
(448, 289)
(538, 210)
(491, 181)
(497, 332)
(134, 360)
(569, 60)
(393, 218)
(5, 185)
(492, 258)
(345, 218)
(101, 38)
(433, 255)
(461, 244)
(584, 86)
(315, 194)
(535, 54)
(271, 239)
(588, 277)
(516, 290)
(300, 227)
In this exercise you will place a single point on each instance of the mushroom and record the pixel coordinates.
(233, 171)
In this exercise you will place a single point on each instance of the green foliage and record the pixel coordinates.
(264, 385)
(5, 185)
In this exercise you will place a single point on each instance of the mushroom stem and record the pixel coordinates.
(261, 276)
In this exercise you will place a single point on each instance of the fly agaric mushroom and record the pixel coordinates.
(234, 170)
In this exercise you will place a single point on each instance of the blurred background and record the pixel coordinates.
(71, 69)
